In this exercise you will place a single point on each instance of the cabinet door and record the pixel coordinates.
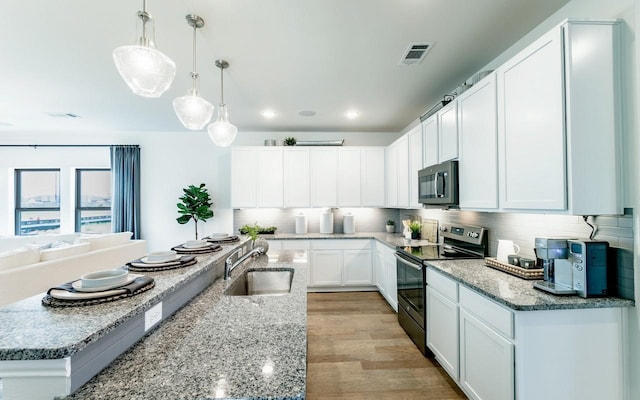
(349, 180)
(243, 177)
(403, 171)
(373, 169)
(391, 175)
(531, 135)
(415, 165)
(478, 158)
(269, 174)
(448, 132)
(324, 177)
(379, 269)
(325, 268)
(357, 268)
(430, 141)
(297, 192)
(486, 361)
(391, 278)
(442, 331)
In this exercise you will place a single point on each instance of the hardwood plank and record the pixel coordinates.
(357, 350)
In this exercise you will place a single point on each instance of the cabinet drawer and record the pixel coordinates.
(446, 286)
(488, 311)
(296, 244)
(347, 244)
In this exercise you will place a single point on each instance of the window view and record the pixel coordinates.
(93, 200)
(37, 201)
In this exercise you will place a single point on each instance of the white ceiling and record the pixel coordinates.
(288, 55)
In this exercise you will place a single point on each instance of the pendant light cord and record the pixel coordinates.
(194, 74)
(222, 85)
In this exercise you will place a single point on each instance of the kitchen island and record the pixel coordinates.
(46, 352)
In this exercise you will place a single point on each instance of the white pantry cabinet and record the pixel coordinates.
(415, 164)
(256, 177)
(478, 152)
(297, 189)
(558, 122)
(340, 264)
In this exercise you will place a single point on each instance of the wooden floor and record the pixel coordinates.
(357, 350)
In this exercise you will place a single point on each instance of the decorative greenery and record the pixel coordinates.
(195, 204)
(415, 226)
(290, 141)
(246, 229)
(391, 222)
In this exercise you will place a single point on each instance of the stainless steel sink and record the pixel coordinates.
(262, 282)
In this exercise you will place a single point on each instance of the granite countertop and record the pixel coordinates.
(516, 293)
(217, 346)
(390, 239)
(31, 331)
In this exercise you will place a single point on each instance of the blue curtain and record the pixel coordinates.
(125, 204)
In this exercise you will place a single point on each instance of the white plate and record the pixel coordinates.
(77, 285)
(168, 259)
(202, 246)
(218, 235)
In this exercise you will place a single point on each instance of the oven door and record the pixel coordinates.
(411, 288)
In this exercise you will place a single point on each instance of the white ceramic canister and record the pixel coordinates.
(326, 222)
(301, 223)
(349, 223)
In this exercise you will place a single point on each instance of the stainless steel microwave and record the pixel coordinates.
(438, 184)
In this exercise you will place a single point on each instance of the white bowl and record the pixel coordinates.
(194, 244)
(159, 256)
(104, 278)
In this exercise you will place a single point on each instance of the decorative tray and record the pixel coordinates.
(530, 274)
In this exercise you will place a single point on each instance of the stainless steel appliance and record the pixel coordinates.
(573, 266)
(459, 242)
(438, 184)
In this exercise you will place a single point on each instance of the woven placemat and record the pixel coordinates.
(180, 249)
(135, 266)
(50, 301)
(523, 273)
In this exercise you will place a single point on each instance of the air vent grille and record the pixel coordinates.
(415, 52)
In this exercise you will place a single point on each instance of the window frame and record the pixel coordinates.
(18, 209)
(78, 197)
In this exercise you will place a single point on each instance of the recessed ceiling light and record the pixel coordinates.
(268, 114)
(352, 114)
(63, 115)
(307, 113)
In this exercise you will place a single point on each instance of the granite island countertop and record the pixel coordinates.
(516, 293)
(389, 239)
(218, 346)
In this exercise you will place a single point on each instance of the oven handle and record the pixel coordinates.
(410, 264)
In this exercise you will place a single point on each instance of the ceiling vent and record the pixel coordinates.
(415, 53)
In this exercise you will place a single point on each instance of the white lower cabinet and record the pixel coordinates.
(391, 277)
(442, 313)
(340, 264)
(378, 266)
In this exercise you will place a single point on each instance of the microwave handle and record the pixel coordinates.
(440, 184)
(435, 185)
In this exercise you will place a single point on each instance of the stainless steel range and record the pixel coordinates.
(459, 242)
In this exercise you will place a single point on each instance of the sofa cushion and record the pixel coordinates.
(55, 253)
(105, 241)
(19, 257)
(8, 243)
(56, 237)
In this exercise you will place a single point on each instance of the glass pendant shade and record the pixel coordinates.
(192, 110)
(222, 132)
(145, 70)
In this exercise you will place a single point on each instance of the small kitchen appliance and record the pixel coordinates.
(459, 242)
(438, 184)
(588, 259)
(552, 254)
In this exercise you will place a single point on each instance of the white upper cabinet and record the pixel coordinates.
(256, 177)
(430, 141)
(391, 175)
(569, 76)
(402, 146)
(324, 177)
(297, 190)
(448, 132)
(478, 152)
(349, 177)
(372, 159)
(415, 164)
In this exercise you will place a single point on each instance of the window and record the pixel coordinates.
(93, 200)
(37, 201)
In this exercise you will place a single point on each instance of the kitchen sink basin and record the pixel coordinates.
(262, 282)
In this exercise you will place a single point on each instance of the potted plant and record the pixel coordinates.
(290, 141)
(416, 227)
(195, 204)
(252, 231)
(391, 226)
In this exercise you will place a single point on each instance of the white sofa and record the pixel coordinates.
(30, 265)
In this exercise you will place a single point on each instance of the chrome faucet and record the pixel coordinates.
(229, 265)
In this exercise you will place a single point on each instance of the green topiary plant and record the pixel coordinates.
(195, 204)
(290, 141)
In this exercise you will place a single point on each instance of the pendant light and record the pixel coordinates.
(222, 132)
(193, 111)
(145, 70)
